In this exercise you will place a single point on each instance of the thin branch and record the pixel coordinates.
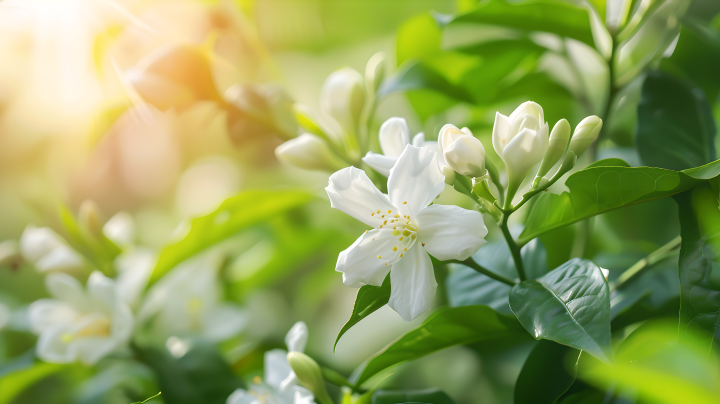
(646, 263)
(474, 265)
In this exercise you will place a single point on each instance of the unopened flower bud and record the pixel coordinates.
(90, 219)
(375, 72)
(306, 121)
(343, 98)
(120, 229)
(556, 147)
(462, 151)
(175, 76)
(309, 374)
(309, 152)
(585, 133)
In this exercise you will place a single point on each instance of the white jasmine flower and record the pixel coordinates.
(343, 97)
(80, 325)
(120, 229)
(521, 140)
(188, 301)
(46, 250)
(405, 229)
(462, 151)
(280, 385)
(394, 136)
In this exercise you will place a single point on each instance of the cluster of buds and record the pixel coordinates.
(522, 141)
(346, 99)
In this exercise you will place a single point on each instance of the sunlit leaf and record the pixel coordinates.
(597, 190)
(13, 383)
(369, 299)
(234, 214)
(545, 375)
(430, 396)
(570, 305)
(699, 260)
(443, 329)
(675, 129)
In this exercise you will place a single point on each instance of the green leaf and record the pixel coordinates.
(430, 396)
(699, 261)
(369, 299)
(199, 375)
(234, 214)
(443, 329)
(14, 383)
(466, 287)
(675, 128)
(598, 190)
(551, 16)
(415, 76)
(570, 305)
(545, 375)
(418, 38)
(694, 57)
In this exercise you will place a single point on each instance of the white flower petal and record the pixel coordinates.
(37, 242)
(529, 108)
(134, 267)
(359, 263)
(122, 324)
(413, 284)
(501, 128)
(51, 347)
(62, 258)
(296, 338)
(120, 229)
(277, 368)
(303, 396)
(44, 314)
(91, 349)
(351, 191)
(394, 136)
(419, 140)
(224, 321)
(102, 289)
(241, 396)
(66, 288)
(525, 150)
(415, 180)
(451, 232)
(379, 163)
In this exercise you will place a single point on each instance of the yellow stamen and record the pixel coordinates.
(395, 248)
(379, 257)
(404, 249)
(377, 211)
(404, 202)
(386, 263)
(400, 255)
(400, 239)
(389, 211)
(414, 235)
(396, 215)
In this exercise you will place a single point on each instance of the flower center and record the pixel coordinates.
(404, 234)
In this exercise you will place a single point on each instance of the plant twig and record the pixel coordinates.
(514, 248)
(644, 264)
(474, 265)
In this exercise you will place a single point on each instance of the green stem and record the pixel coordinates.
(474, 265)
(646, 263)
(514, 248)
(337, 379)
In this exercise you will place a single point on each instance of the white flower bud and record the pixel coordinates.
(375, 72)
(343, 98)
(521, 140)
(462, 151)
(449, 174)
(120, 229)
(36, 242)
(90, 218)
(309, 374)
(585, 133)
(556, 148)
(309, 152)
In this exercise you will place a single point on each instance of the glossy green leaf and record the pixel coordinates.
(466, 287)
(369, 299)
(443, 329)
(415, 76)
(545, 376)
(234, 214)
(654, 292)
(200, 375)
(556, 17)
(597, 190)
(430, 396)
(418, 38)
(14, 383)
(699, 263)
(675, 128)
(570, 305)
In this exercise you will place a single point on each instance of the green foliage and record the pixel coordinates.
(430, 396)
(597, 190)
(569, 305)
(234, 214)
(443, 329)
(548, 372)
(676, 129)
(199, 375)
(369, 299)
(699, 283)
(12, 384)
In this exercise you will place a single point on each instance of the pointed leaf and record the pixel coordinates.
(545, 375)
(443, 329)
(369, 299)
(699, 263)
(597, 190)
(570, 305)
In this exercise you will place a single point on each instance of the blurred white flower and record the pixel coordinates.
(521, 140)
(187, 301)
(462, 151)
(80, 325)
(280, 385)
(134, 268)
(394, 136)
(309, 152)
(120, 229)
(46, 250)
(404, 226)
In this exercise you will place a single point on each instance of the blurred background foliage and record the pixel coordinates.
(171, 111)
